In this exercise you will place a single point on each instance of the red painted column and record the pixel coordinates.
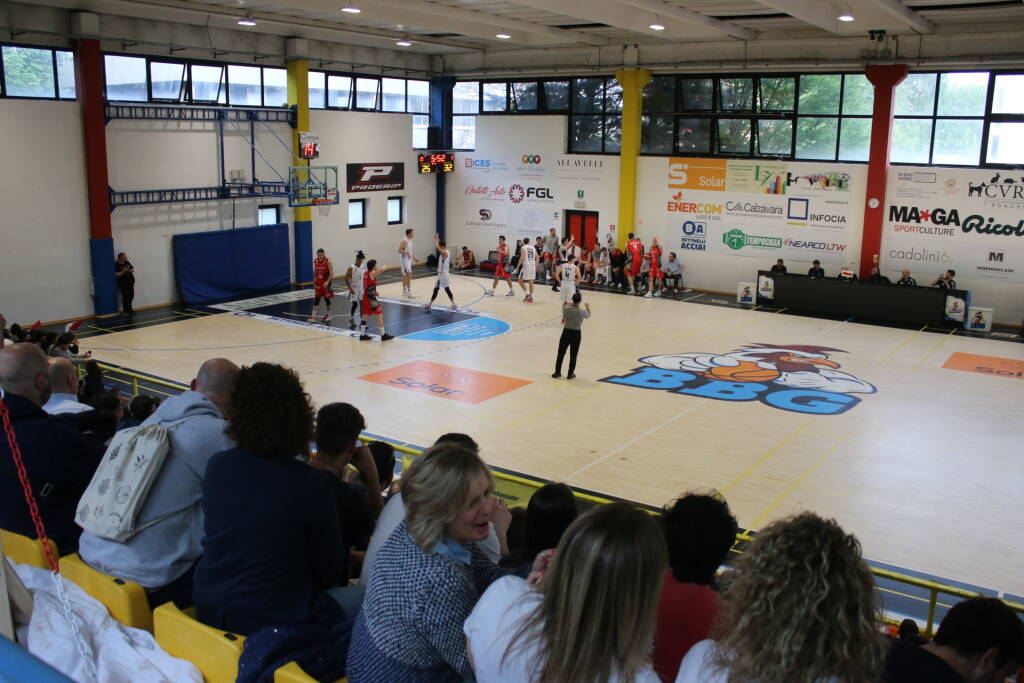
(884, 78)
(89, 87)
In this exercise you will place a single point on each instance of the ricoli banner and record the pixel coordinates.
(969, 220)
(764, 210)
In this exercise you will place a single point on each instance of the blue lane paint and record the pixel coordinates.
(476, 328)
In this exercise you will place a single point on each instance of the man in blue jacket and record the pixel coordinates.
(162, 555)
(59, 460)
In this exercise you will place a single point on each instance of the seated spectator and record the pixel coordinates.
(816, 269)
(64, 387)
(18, 333)
(846, 274)
(699, 532)
(551, 510)
(466, 259)
(494, 547)
(980, 640)
(602, 267)
(591, 618)
(271, 543)
(429, 574)
(384, 458)
(617, 259)
(946, 281)
(49, 342)
(906, 280)
(674, 273)
(779, 267)
(62, 348)
(801, 606)
(910, 631)
(139, 410)
(162, 554)
(92, 383)
(103, 418)
(59, 460)
(338, 426)
(878, 278)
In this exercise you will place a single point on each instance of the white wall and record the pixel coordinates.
(360, 137)
(44, 225)
(482, 192)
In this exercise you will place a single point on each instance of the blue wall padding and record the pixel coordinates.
(227, 263)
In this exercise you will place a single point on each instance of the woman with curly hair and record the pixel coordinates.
(801, 608)
(272, 543)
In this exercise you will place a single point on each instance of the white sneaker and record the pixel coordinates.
(658, 293)
(453, 308)
(632, 291)
(311, 319)
(648, 295)
(687, 290)
(510, 293)
(489, 292)
(410, 295)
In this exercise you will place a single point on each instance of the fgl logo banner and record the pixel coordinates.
(798, 378)
(375, 177)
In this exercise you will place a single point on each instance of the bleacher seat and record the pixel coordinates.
(25, 550)
(293, 673)
(126, 600)
(214, 652)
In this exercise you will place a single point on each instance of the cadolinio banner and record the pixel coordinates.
(764, 210)
(969, 220)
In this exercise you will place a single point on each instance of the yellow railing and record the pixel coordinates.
(516, 490)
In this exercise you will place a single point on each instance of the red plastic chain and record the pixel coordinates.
(30, 498)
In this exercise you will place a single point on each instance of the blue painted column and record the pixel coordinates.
(441, 118)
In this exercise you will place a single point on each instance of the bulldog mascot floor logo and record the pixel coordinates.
(797, 378)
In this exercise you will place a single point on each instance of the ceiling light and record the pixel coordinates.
(246, 22)
(402, 43)
(656, 27)
(845, 17)
(503, 36)
(351, 10)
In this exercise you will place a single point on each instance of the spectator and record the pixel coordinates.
(271, 543)
(64, 388)
(18, 333)
(92, 383)
(494, 547)
(602, 269)
(591, 619)
(846, 274)
(946, 281)
(816, 269)
(466, 259)
(674, 273)
(384, 458)
(124, 271)
(981, 640)
(551, 510)
(617, 260)
(59, 461)
(162, 554)
(910, 631)
(139, 409)
(6, 338)
(338, 426)
(801, 607)
(878, 278)
(102, 421)
(699, 532)
(62, 348)
(906, 280)
(428, 574)
(516, 534)
(49, 342)
(779, 267)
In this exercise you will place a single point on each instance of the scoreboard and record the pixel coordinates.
(309, 145)
(436, 162)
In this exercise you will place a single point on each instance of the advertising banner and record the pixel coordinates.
(376, 177)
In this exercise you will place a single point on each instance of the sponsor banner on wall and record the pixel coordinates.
(375, 177)
(970, 220)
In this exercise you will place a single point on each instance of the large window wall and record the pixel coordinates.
(36, 72)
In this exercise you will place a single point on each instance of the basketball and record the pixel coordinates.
(746, 372)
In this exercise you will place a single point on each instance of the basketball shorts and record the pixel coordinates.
(406, 265)
(528, 272)
(634, 267)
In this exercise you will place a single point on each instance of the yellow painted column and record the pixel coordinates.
(633, 82)
(302, 217)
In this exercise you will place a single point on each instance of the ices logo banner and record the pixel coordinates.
(798, 378)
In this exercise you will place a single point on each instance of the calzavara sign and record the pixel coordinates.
(375, 177)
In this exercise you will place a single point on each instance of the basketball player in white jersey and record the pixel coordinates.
(443, 276)
(405, 249)
(354, 281)
(527, 269)
(568, 274)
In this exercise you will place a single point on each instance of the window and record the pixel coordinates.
(29, 72)
(420, 124)
(418, 96)
(166, 80)
(940, 118)
(317, 89)
(595, 121)
(339, 92)
(357, 213)
(245, 85)
(393, 90)
(269, 214)
(464, 132)
(524, 96)
(366, 93)
(395, 210)
(126, 78)
(556, 95)
(275, 87)
(465, 105)
(207, 84)
(65, 74)
(495, 96)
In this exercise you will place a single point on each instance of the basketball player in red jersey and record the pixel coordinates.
(636, 254)
(370, 304)
(322, 274)
(500, 271)
(656, 274)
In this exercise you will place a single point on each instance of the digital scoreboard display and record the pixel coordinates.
(436, 162)
(309, 145)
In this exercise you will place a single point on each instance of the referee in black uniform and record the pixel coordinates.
(572, 334)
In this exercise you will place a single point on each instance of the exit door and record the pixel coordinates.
(582, 227)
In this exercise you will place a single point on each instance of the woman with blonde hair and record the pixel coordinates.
(429, 573)
(801, 607)
(592, 618)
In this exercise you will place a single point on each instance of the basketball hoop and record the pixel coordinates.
(323, 206)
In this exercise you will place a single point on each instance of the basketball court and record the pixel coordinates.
(904, 436)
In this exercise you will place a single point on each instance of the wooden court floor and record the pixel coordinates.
(927, 470)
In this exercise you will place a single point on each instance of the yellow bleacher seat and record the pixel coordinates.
(126, 600)
(25, 550)
(293, 673)
(214, 652)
